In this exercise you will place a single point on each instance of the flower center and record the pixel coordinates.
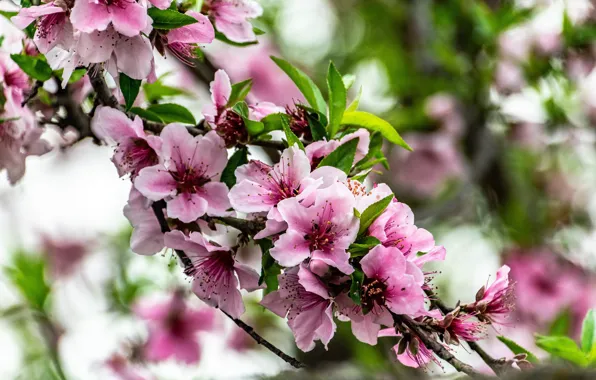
(321, 237)
(299, 122)
(230, 127)
(373, 291)
(137, 155)
(189, 180)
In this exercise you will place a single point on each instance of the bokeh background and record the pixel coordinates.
(498, 101)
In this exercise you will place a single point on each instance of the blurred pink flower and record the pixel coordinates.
(173, 329)
(146, 238)
(231, 17)
(64, 255)
(495, 302)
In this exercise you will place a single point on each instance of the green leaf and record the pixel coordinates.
(517, 349)
(274, 122)
(348, 80)
(375, 154)
(172, 113)
(130, 89)
(561, 324)
(269, 268)
(291, 138)
(309, 89)
(342, 157)
(355, 103)
(337, 99)
(562, 347)
(588, 328)
(222, 37)
(77, 75)
(147, 115)
(372, 212)
(357, 278)
(239, 158)
(157, 90)
(241, 108)
(168, 19)
(362, 245)
(374, 123)
(239, 92)
(8, 14)
(317, 130)
(35, 67)
(27, 274)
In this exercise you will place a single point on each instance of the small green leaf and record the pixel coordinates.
(147, 115)
(269, 268)
(372, 212)
(77, 75)
(8, 14)
(348, 80)
(317, 130)
(239, 92)
(517, 349)
(130, 89)
(342, 157)
(337, 99)
(157, 90)
(588, 329)
(375, 154)
(35, 67)
(222, 37)
(172, 113)
(309, 89)
(291, 138)
(357, 278)
(374, 123)
(27, 274)
(167, 19)
(239, 158)
(561, 324)
(562, 347)
(274, 122)
(362, 245)
(355, 103)
(254, 128)
(241, 108)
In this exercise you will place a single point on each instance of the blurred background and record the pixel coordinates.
(498, 100)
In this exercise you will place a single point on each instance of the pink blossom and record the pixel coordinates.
(64, 256)
(53, 29)
(173, 329)
(322, 231)
(215, 271)
(392, 282)
(161, 4)
(12, 78)
(146, 238)
(422, 354)
(465, 327)
(132, 55)
(188, 177)
(305, 301)
(365, 327)
(127, 17)
(320, 149)
(135, 149)
(123, 369)
(495, 301)
(231, 17)
(19, 137)
(183, 41)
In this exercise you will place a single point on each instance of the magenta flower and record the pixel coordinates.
(322, 231)
(131, 55)
(187, 178)
(53, 29)
(183, 41)
(466, 327)
(391, 283)
(127, 16)
(231, 17)
(135, 149)
(321, 149)
(495, 302)
(146, 238)
(305, 301)
(215, 271)
(365, 327)
(173, 329)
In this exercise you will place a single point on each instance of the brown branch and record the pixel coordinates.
(269, 144)
(102, 90)
(163, 223)
(32, 93)
(75, 115)
(435, 346)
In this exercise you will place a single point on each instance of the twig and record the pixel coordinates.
(51, 337)
(269, 144)
(75, 115)
(33, 93)
(435, 346)
(163, 223)
(101, 88)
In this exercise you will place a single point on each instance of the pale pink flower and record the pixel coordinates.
(161, 4)
(215, 271)
(135, 149)
(12, 78)
(20, 137)
(53, 28)
(322, 231)
(131, 55)
(422, 357)
(147, 237)
(305, 301)
(183, 41)
(365, 327)
(466, 327)
(173, 329)
(495, 301)
(127, 16)
(391, 282)
(64, 256)
(231, 17)
(318, 150)
(188, 177)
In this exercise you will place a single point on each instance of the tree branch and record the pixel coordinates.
(163, 223)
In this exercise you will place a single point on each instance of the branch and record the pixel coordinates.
(500, 367)
(75, 115)
(163, 223)
(435, 346)
(269, 144)
(31, 94)
(101, 88)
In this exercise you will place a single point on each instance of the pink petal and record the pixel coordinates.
(290, 249)
(216, 195)
(178, 146)
(134, 56)
(274, 302)
(187, 207)
(221, 89)
(27, 15)
(58, 32)
(155, 182)
(383, 262)
(337, 258)
(366, 330)
(129, 19)
(112, 125)
(161, 4)
(88, 16)
(236, 31)
(177, 240)
(312, 283)
(211, 151)
(199, 33)
(248, 277)
(97, 47)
